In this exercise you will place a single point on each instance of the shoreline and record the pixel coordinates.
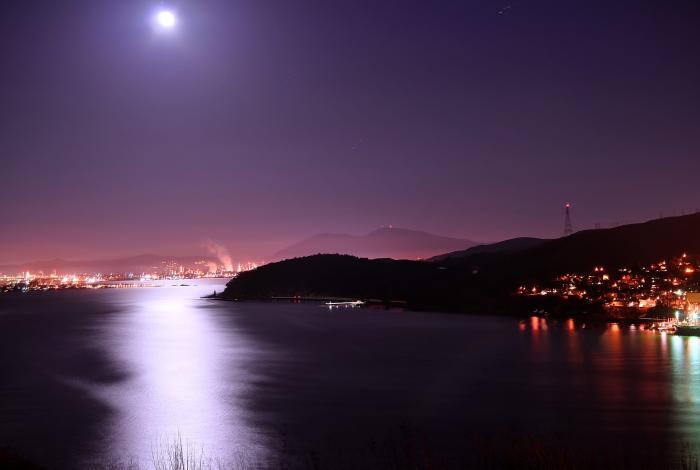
(593, 315)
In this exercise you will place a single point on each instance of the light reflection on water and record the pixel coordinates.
(187, 374)
(110, 374)
(685, 363)
(653, 375)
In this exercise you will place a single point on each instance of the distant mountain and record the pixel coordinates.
(482, 279)
(393, 243)
(135, 264)
(507, 246)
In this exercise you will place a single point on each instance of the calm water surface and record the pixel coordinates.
(110, 375)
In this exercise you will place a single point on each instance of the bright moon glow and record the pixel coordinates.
(166, 18)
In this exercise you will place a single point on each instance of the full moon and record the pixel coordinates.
(166, 19)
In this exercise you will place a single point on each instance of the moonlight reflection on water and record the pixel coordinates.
(111, 374)
(187, 375)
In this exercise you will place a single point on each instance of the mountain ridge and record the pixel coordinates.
(385, 242)
(480, 281)
(509, 245)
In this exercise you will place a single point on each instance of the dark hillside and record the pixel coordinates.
(482, 280)
(506, 246)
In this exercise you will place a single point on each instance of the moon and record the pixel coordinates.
(166, 19)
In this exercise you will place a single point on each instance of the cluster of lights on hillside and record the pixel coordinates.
(664, 283)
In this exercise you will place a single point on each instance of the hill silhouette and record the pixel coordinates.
(630, 245)
(506, 246)
(483, 279)
(396, 243)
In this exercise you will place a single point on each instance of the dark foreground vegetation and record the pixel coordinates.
(480, 279)
(405, 449)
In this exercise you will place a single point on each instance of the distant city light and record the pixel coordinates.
(168, 270)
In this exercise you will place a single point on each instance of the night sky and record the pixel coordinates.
(259, 122)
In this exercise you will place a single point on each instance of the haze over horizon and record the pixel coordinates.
(407, 239)
(257, 124)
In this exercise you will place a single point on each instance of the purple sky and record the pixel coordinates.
(260, 122)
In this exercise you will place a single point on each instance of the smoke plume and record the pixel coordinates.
(221, 254)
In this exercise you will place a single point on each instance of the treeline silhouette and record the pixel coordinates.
(482, 279)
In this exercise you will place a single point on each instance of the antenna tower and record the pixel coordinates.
(568, 229)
